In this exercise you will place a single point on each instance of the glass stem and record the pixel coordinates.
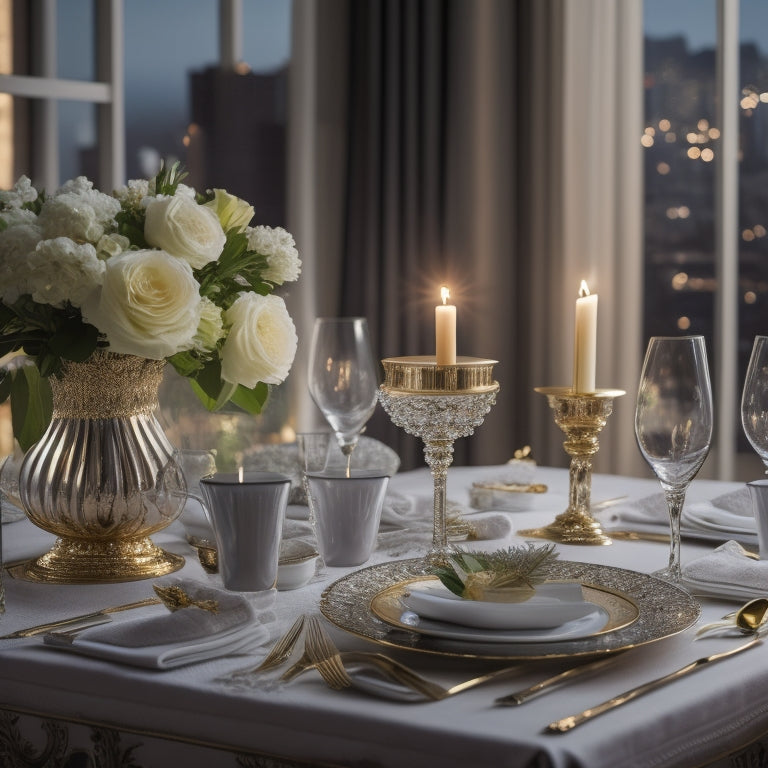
(347, 451)
(675, 501)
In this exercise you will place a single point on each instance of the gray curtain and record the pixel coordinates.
(432, 175)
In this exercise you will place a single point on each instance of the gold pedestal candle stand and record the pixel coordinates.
(438, 404)
(581, 416)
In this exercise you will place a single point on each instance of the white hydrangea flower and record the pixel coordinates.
(78, 211)
(261, 343)
(21, 192)
(133, 193)
(15, 216)
(16, 243)
(62, 270)
(279, 247)
(187, 191)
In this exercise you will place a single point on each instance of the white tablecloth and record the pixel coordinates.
(707, 715)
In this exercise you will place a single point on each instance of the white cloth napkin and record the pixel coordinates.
(726, 516)
(407, 522)
(184, 636)
(727, 572)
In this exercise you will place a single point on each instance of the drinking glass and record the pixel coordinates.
(673, 424)
(343, 379)
(754, 399)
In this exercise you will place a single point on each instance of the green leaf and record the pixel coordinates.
(31, 405)
(213, 392)
(5, 385)
(74, 340)
(251, 400)
(185, 363)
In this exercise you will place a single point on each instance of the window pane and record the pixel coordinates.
(164, 42)
(78, 141)
(75, 38)
(680, 140)
(266, 34)
(753, 179)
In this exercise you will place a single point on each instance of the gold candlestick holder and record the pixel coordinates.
(438, 404)
(582, 417)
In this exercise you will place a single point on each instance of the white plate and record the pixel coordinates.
(552, 606)
(586, 626)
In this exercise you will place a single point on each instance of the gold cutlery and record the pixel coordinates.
(281, 650)
(40, 629)
(321, 653)
(628, 535)
(520, 697)
(749, 618)
(570, 722)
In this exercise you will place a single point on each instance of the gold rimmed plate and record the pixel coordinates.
(641, 609)
(604, 611)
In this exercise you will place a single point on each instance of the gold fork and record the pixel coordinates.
(324, 655)
(281, 650)
(320, 648)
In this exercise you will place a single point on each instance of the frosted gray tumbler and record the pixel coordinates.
(247, 518)
(347, 512)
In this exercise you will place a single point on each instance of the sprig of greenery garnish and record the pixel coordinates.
(471, 574)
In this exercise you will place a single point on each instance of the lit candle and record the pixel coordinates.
(585, 346)
(239, 474)
(445, 330)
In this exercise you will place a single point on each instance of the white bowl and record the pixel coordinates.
(297, 564)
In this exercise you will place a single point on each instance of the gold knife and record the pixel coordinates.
(40, 629)
(570, 722)
(520, 697)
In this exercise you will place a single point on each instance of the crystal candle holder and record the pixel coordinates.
(438, 403)
(581, 416)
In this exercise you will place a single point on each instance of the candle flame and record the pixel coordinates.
(444, 293)
(240, 475)
(583, 289)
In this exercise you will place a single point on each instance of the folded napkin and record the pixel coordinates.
(726, 516)
(727, 572)
(226, 623)
(407, 523)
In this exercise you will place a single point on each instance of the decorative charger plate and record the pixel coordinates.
(641, 609)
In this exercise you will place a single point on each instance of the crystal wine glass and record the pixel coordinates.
(754, 399)
(343, 379)
(673, 424)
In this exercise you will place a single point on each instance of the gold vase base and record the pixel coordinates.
(571, 528)
(79, 561)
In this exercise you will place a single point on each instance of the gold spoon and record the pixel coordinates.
(749, 618)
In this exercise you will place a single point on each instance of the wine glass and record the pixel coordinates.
(343, 379)
(673, 424)
(754, 399)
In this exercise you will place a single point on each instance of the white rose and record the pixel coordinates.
(261, 343)
(62, 270)
(211, 327)
(185, 229)
(149, 304)
(112, 245)
(283, 263)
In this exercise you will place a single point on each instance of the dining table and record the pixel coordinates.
(71, 708)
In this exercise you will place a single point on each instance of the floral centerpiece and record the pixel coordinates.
(154, 270)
